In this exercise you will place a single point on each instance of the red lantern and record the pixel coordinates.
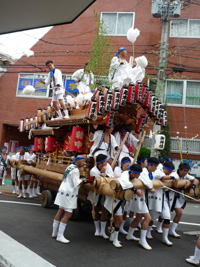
(50, 144)
(67, 142)
(77, 139)
(38, 143)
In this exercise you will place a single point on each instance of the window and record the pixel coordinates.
(185, 28)
(193, 93)
(180, 92)
(117, 23)
(183, 92)
(174, 92)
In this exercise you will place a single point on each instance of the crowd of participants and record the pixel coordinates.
(24, 185)
(146, 206)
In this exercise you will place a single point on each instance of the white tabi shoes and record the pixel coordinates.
(116, 242)
(195, 260)
(60, 236)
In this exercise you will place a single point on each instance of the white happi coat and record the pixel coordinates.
(156, 200)
(138, 204)
(3, 171)
(13, 170)
(33, 156)
(179, 201)
(58, 80)
(26, 157)
(67, 194)
(86, 79)
(117, 172)
(96, 172)
(132, 140)
(104, 146)
(125, 184)
(120, 74)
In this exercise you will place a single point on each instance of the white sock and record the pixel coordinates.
(13, 187)
(103, 227)
(59, 113)
(143, 234)
(149, 230)
(66, 112)
(61, 228)
(97, 226)
(131, 230)
(17, 187)
(122, 224)
(174, 226)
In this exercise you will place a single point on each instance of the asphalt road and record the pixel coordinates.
(32, 225)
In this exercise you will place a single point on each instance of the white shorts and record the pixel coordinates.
(119, 212)
(55, 98)
(66, 209)
(24, 177)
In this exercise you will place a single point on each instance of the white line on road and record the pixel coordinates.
(196, 224)
(14, 254)
(22, 203)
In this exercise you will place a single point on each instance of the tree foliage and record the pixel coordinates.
(101, 51)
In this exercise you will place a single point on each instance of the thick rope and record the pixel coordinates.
(111, 228)
(164, 186)
(93, 204)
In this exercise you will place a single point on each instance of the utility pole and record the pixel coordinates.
(163, 9)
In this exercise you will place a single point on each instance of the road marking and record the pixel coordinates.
(192, 233)
(14, 254)
(187, 223)
(22, 203)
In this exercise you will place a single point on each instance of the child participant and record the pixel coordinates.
(102, 169)
(158, 202)
(177, 201)
(125, 163)
(66, 198)
(133, 172)
(138, 205)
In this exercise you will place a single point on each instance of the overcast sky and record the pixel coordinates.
(13, 44)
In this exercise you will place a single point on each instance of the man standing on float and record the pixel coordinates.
(55, 81)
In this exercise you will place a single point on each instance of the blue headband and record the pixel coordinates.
(120, 51)
(113, 125)
(166, 159)
(141, 160)
(149, 163)
(16, 148)
(23, 147)
(79, 157)
(128, 160)
(167, 168)
(136, 172)
(3, 147)
(102, 160)
(181, 168)
(30, 147)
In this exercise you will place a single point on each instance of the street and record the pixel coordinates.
(27, 222)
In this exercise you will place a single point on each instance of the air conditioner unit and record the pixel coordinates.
(156, 9)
